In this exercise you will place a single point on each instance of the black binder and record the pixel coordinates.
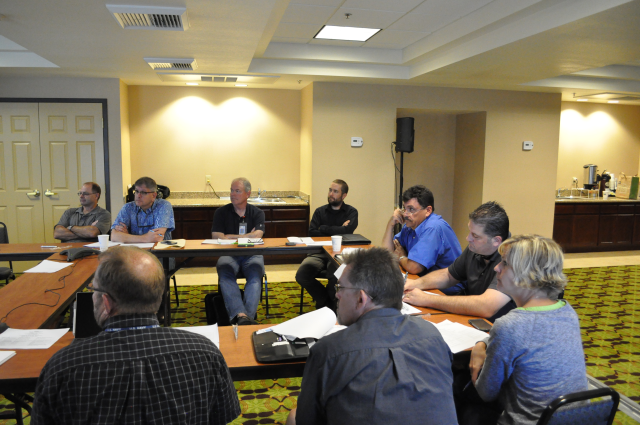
(355, 240)
(272, 348)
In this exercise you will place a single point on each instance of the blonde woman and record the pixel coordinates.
(534, 353)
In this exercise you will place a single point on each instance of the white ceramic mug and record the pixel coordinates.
(103, 240)
(336, 243)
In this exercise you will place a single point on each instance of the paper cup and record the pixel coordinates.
(336, 243)
(103, 240)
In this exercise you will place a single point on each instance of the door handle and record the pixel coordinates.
(35, 193)
(49, 193)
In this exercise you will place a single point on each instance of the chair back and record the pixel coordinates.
(567, 409)
(4, 235)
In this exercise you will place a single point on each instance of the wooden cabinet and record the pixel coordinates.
(593, 227)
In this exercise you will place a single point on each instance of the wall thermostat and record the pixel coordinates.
(356, 142)
(527, 146)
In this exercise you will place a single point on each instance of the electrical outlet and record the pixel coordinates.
(207, 179)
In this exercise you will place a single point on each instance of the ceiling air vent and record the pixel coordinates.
(150, 17)
(171, 64)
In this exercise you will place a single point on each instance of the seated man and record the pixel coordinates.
(134, 371)
(146, 219)
(335, 218)
(385, 368)
(239, 220)
(488, 227)
(426, 242)
(84, 224)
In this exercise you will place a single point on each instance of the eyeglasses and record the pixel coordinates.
(411, 211)
(153, 220)
(86, 193)
(92, 288)
(339, 287)
(141, 192)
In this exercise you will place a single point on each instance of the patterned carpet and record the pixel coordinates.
(609, 314)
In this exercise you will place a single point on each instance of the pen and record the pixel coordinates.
(235, 331)
(405, 277)
(48, 246)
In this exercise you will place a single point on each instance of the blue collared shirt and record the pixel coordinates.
(433, 244)
(139, 222)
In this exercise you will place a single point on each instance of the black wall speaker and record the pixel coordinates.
(404, 134)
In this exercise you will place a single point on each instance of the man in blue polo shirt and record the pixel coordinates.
(426, 242)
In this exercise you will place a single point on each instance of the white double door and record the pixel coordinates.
(47, 150)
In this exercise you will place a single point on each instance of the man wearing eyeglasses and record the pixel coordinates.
(134, 371)
(84, 224)
(239, 219)
(426, 242)
(146, 219)
(385, 367)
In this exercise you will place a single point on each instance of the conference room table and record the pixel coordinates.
(20, 373)
(34, 251)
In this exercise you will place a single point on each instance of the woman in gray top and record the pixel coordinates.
(534, 353)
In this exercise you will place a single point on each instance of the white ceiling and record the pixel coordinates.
(569, 46)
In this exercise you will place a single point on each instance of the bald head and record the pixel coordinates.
(133, 277)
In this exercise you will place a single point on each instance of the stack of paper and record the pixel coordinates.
(315, 324)
(210, 332)
(219, 241)
(308, 241)
(30, 339)
(459, 337)
(255, 241)
(6, 355)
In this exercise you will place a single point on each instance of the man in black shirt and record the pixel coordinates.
(240, 220)
(335, 218)
(488, 227)
(134, 371)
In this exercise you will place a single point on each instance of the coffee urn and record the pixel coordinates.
(590, 176)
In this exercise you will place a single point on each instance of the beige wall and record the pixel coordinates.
(180, 134)
(468, 170)
(306, 123)
(431, 162)
(80, 88)
(511, 176)
(595, 133)
(124, 135)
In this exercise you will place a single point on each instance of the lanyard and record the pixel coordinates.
(132, 328)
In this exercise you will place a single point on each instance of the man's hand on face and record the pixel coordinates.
(398, 249)
(398, 216)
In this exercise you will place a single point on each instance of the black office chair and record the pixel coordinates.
(321, 275)
(6, 273)
(20, 401)
(562, 410)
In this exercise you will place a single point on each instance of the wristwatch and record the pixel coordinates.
(70, 227)
(401, 258)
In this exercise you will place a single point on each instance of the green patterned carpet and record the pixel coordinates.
(607, 300)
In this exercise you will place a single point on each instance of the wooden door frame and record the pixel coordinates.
(105, 130)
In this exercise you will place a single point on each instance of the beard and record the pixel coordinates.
(334, 203)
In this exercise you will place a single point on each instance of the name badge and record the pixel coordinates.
(243, 229)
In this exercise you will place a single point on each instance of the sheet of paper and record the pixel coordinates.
(459, 337)
(310, 325)
(334, 329)
(294, 239)
(311, 242)
(255, 241)
(6, 355)
(30, 339)
(97, 244)
(210, 332)
(338, 272)
(140, 245)
(48, 267)
(409, 309)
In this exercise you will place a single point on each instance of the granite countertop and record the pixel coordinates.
(208, 199)
(611, 200)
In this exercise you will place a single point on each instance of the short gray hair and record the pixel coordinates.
(376, 271)
(245, 183)
(536, 262)
(135, 289)
(147, 182)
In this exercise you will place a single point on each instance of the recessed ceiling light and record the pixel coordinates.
(330, 32)
(614, 101)
(192, 84)
(241, 85)
(582, 100)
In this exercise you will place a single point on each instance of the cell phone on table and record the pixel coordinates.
(480, 325)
